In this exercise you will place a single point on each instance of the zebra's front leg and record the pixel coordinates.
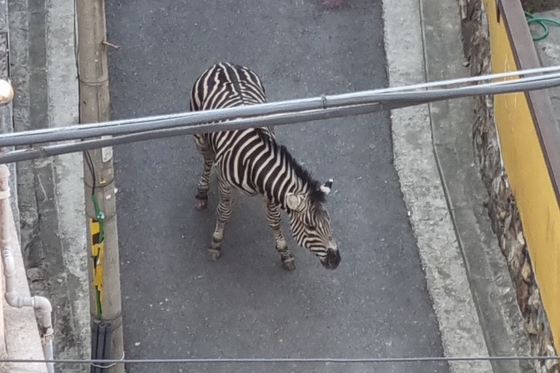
(273, 219)
(223, 212)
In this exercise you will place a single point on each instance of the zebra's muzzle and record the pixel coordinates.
(332, 260)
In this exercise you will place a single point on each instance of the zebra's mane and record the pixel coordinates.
(312, 185)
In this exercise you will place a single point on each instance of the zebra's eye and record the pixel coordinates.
(312, 227)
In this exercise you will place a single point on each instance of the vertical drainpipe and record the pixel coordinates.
(40, 304)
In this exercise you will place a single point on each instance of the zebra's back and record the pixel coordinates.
(225, 85)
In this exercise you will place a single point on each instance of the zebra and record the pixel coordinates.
(252, 161)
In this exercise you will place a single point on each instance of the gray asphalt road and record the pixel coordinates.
(176, 303)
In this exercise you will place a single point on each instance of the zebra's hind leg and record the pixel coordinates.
(273, 220)
(223, 212)
(204, 183)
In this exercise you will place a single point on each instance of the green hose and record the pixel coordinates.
(541, 21)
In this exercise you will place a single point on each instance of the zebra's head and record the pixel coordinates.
(310, 224)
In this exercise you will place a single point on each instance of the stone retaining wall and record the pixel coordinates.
(502, 209)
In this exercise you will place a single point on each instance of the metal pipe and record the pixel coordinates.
(272, 120)
(380, 96)
(40, 304)
(472, 79)
(269, 120)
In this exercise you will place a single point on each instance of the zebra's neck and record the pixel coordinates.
(281, 174)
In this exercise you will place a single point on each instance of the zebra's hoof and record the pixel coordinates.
(289, 264)
(214, 254)
(201, 203)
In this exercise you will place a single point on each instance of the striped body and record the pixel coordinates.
(252, 161)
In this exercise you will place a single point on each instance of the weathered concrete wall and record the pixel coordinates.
(502, 208)
(19, 334)
(51, 201)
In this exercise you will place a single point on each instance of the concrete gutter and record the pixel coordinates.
(466, 273)
(424, 196)
(491, 286)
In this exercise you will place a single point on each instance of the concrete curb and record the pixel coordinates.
(451, 123)
(466, 274)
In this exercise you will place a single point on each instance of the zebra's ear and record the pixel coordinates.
(326, 188)
(294, 202)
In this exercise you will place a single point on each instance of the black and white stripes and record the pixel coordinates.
(252, 161)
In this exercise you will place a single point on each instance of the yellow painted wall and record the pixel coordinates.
(528, 175)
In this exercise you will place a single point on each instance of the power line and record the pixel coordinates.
(287, 360)
(269, 114)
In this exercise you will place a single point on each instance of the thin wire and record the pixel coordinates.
(473, 79)
(105, 366)
(284, 360)
(91, 169)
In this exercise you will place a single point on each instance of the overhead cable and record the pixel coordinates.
(372, 360)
